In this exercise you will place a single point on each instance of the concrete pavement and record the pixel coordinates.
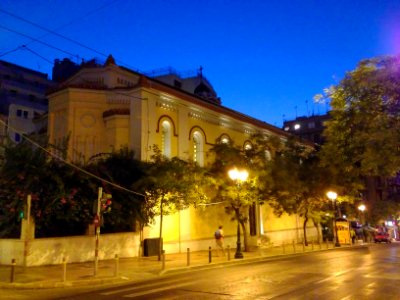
(137, 269)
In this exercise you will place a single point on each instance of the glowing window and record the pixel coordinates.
(166, 139)
(248, 146)
(297, 126)
(198, 148)
(267, 154)
(224, 139)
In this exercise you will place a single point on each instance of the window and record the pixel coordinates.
(248, 146)
(297, 126)
(19, 112)
(32, 97)
(13, 93)
(268, 155)
(224, 139)
(311, 125)
(198, 148)
(17, 137)
(166, 139)
(25, 114)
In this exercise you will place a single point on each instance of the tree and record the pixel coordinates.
(239, 196)
(363, 135)
(298, 184)
(60, 206)
(122, 169)
(169, 185)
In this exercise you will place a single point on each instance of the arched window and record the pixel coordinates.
(224, 139)
(198, 148)
(248, 146)
(166, 138)
(268, 154)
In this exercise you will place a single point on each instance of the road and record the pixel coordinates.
(366, 273)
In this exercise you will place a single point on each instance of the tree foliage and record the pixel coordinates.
(239, 196)
(169, 185)
(298, 184)
(60, 202)
(363, 135)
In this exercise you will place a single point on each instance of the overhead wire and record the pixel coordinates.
(37, 54)
(69, 163)
(43, 43)
(11, 51)
(49, 31)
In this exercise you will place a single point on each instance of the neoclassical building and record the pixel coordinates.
(104, 107)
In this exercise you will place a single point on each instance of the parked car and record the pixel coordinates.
(382, 237)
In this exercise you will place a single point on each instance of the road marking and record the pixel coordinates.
(156, 290)
(143, 286)
(337, 274)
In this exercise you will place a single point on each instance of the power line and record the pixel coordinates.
(51, 32)
(70, 164)
(11, 51)
(37, 54)
(36, 40)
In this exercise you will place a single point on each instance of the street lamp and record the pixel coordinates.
(332, 196)
(238, 177)
(362, 208)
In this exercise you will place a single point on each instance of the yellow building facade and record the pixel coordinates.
(105, 107)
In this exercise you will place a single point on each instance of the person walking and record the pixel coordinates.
(219, 240)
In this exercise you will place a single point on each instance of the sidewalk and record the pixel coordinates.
(137, 269)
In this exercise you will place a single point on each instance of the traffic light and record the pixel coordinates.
(106, 203)
(22, 213)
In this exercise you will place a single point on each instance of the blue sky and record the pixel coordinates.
(266, 59)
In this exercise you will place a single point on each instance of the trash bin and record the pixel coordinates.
(151, 246)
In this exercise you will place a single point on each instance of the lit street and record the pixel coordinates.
(342, 274)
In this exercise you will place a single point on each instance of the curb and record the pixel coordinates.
(166, 272)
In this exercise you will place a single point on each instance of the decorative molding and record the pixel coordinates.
(163, 117)
(88, 120)
(167, 105)
(118, 99)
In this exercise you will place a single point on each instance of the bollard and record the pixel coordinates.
(327, 244)
(312, 245)
(294, 247)
(12, 275)
(283, 247)
(209, 255)
(188, 257)
(116, 270)
(64, 264)
(320, 244)
(229, 252)
(304, 246)
(163, 260)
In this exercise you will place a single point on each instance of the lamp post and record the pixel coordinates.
(238, 177)
(362, 208)
(332, 196)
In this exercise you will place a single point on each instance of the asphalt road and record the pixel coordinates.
(340, 274)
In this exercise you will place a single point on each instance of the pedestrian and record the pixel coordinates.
(219, 240)
(353, 236)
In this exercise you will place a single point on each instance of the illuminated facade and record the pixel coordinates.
(105, 107)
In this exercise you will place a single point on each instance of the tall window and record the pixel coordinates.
(198, 148)
(166, 139)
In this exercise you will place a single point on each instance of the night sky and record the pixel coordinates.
(266, 59)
